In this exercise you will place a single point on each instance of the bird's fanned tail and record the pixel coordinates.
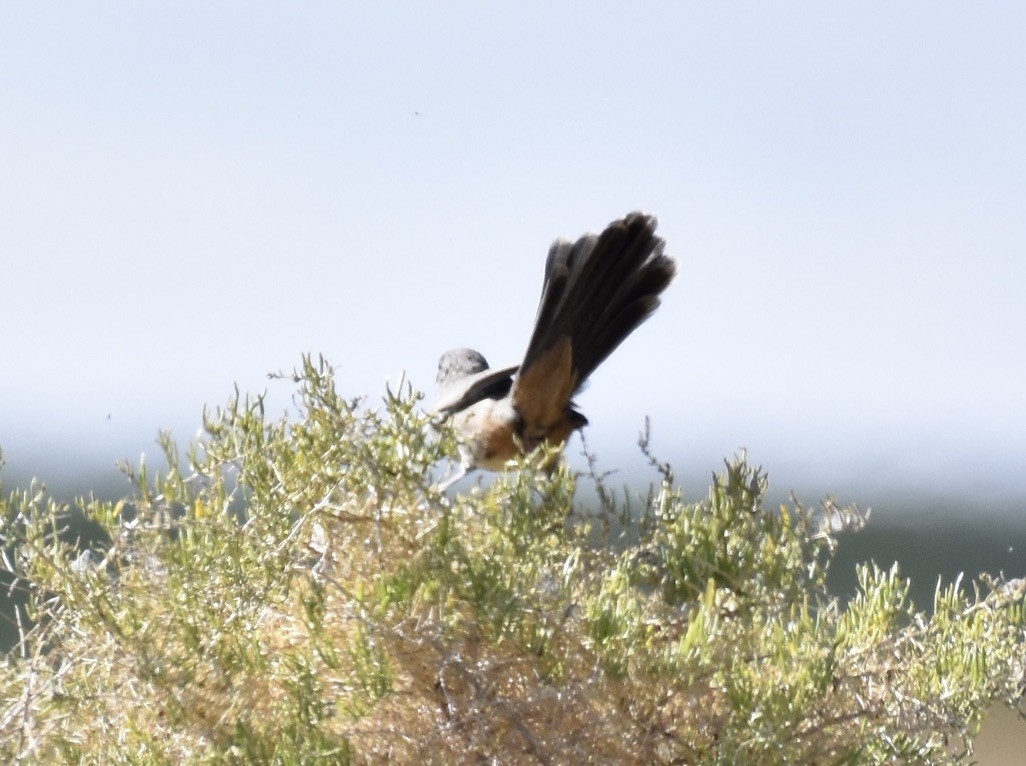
(596, 292)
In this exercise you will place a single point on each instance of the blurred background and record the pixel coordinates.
(192, 195)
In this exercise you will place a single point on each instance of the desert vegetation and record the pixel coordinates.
(295, 590)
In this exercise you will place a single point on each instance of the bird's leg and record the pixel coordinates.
(466, 466)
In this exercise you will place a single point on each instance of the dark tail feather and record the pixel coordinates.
(598, 290)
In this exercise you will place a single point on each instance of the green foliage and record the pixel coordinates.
(302, 593)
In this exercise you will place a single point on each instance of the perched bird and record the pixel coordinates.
(596, 292)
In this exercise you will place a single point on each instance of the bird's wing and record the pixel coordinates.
(473, 388)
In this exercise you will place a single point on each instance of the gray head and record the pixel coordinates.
(459, 363)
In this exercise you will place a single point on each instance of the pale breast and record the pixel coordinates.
(488, 428)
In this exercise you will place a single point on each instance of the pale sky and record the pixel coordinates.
(194, 194)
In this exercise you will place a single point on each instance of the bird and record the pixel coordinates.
(596, 291)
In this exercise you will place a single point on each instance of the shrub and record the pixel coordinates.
(301, 593)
